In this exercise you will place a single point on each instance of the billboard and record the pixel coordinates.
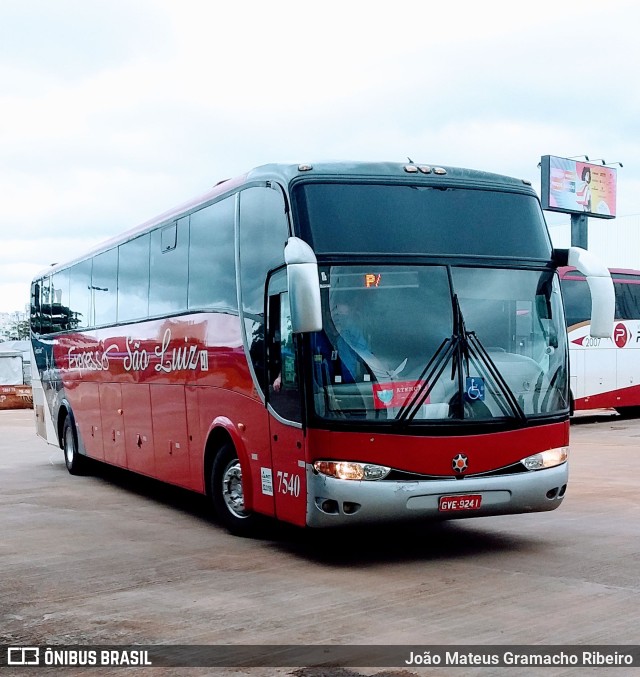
(576, 187)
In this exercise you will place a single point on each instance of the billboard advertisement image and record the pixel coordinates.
(576, 187)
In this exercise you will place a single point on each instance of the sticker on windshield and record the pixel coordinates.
(395, 394)
(474, 389)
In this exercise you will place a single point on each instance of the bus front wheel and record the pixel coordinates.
(227, 492)
(73, 459)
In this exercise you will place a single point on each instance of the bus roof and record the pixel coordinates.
(387, 170)
(286, 174)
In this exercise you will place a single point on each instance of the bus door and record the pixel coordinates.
(112, 424)
(285, 410)
(138, 428)
(170, 435)
(88, 421)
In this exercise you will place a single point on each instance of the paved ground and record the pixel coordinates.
(116, 559)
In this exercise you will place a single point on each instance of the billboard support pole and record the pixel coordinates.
(579, 230)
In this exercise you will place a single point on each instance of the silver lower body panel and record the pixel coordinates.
(333, 502)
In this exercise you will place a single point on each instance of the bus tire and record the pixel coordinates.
(227, 493)
(73, 459)
(628, 412)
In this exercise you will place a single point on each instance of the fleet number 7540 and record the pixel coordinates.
(288, 483)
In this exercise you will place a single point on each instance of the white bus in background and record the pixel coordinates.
(15, 375)
(604, 373)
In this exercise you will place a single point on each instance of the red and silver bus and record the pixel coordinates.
(324, 344)
(605, 372)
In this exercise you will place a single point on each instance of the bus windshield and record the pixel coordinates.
(409, 219)
(409, 343)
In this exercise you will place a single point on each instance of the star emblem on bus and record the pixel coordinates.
(460, 463)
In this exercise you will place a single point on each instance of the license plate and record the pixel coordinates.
(455, 503)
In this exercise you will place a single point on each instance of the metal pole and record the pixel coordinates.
(579, 230)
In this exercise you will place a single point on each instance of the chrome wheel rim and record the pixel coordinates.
(69, 447)
(232, 491)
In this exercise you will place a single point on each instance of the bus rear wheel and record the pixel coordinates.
(227, 493)
(73, 459)
(628, 412)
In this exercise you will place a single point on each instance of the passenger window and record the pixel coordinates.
(284, 392)
(36, 306)
(79, 294)
(46, 326)
(577, 301)
(60, 301)
(627, 300)
(133, 279)
(104, 288)
(263, 234)
(169, 268)
(212, 267)
(169, 237)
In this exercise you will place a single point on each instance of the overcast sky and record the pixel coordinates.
(112, 111)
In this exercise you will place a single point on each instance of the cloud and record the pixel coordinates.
(72, 40)
(114, 111)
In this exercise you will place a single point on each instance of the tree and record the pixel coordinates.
(19, 330)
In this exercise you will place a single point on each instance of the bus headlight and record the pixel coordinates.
(348, 470)
(546, 459)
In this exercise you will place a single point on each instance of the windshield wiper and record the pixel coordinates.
(427, 380)
(463, 347)
(480, 355)
(455, 347)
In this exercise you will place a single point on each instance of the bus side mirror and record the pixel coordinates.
(603, 302)
(304, 286)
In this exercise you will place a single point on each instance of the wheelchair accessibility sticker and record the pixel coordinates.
(474, 389)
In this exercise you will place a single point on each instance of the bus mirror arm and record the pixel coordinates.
(560, 257)
(304, 286)
(601, 287)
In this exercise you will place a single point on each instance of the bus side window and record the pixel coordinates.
(264, 231)
(627, 300)
(287, 352)
(46, 324)
(284, 394)
(212, 267)
(60, 301)
(104, 287)
(169, 267)
(35, 307)
(79, 294)
(577, 301)
(133, 279)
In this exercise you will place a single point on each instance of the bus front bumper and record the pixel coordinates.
(334, 502)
